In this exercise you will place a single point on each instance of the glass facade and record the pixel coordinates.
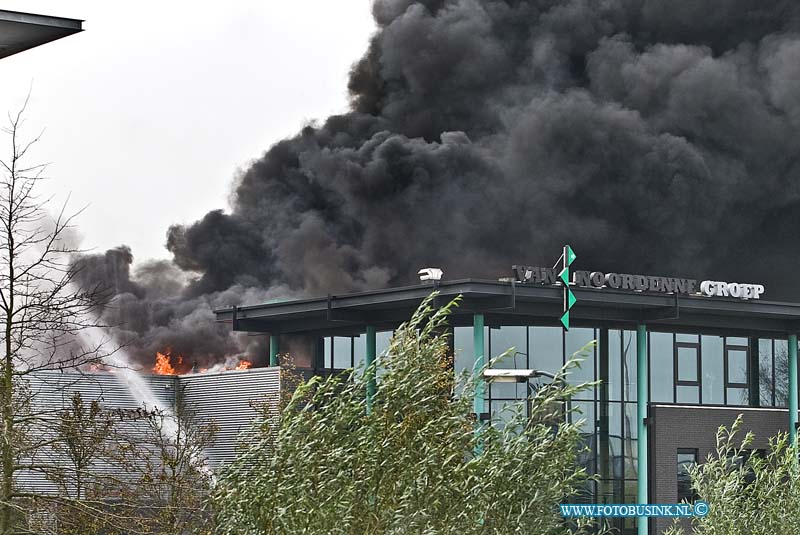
(607, 412)
(704, 369)
(342, 352)
(684, 368)
(717, 370)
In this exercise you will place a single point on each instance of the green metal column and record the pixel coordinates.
(793, 389)
(370, 360)
(603, 456)
(480, 361)
(273, 350)
(754, 377)
(641, 414)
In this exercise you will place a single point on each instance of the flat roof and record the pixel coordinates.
(507, 303)
(22, 31)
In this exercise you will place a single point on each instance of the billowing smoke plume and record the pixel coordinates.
(655, 136)
(149, 311)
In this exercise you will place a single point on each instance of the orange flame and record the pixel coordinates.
(163, 364)
(244, 365)
(169, 364)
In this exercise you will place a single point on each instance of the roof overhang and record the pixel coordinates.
(505, 303)
(21, 31)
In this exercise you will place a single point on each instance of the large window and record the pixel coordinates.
(512, 343)
(337, 352)
(766, 373)
(464, 347)
(662, 360)
(716, 370)
(616, 455)
(327, 353)
(585, 415)
(773, 372)
(382, 339)
(737, 358)
(464, 359)
(508, 346)
(712, 356)
(683, 368)
(546, 348)
(781, 363)
(575, 342)
(621, 377)
(687, 369)
(342, 352)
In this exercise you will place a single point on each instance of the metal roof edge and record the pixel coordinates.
(460, 286)
(42, 20)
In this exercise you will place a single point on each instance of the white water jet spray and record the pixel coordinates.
(119, 360)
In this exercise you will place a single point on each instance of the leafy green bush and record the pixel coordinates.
(327, 466)
(747, 494)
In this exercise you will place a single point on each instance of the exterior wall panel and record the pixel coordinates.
(229, 399)
(52, 391)
(693, 427)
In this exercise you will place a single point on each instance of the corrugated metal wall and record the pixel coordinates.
(53, 389)
(52, 392)
(229, 399)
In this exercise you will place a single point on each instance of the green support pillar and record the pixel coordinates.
(603, 455)
(793, 389)
(370, 360)
(641, 414)
(273, 350)
(480, 362)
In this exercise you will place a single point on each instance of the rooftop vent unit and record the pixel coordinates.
(430, 274)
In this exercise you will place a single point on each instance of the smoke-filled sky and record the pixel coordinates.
(655, 136)
(157, 105)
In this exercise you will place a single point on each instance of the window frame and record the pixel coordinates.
(747, 371)
(773, 400)
(728, 382)
(676, 382)
(694, 452)
(330, 367)
(491, 395)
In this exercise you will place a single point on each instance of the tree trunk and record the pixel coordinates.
(8, 422)
(8, 367)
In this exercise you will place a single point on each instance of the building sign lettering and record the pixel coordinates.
(641, 283)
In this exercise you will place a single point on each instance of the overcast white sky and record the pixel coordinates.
(152, 109)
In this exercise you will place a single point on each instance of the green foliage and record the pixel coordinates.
(142, 474)
(83, 430)
(747, 494)
(181, 478)
(327, 466)
(81, 433)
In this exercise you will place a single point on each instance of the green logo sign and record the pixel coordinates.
(568, 256)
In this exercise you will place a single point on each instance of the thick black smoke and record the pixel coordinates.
(150, 311)
(654, 136)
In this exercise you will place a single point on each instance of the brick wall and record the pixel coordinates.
(680, 426)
